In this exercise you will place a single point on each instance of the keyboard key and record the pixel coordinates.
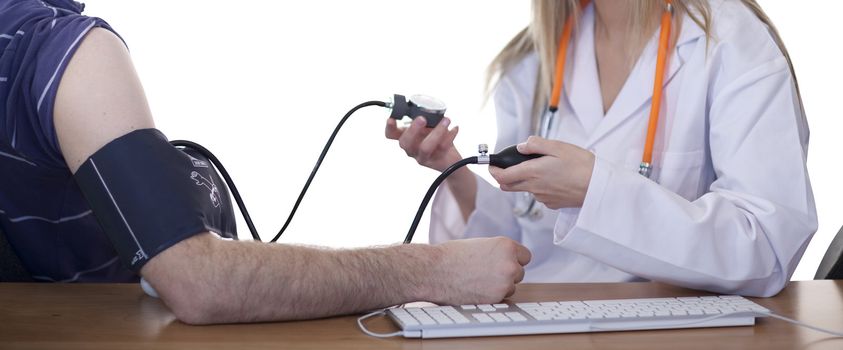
(459, 319)
(409, 321)
(468, 307)
(526, 305)
(455, 315)
(500, 306)
(425, 320)
(482, 318)
(686, 299)
(515, 316)
(540, 315)
(486, 307)
(499, 317)
(532, 311)
(572, 304)
(436, 315)
(399, 312)
(711, 311)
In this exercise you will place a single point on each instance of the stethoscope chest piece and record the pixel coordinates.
(526, 206)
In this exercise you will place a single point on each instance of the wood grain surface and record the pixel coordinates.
(120, 316)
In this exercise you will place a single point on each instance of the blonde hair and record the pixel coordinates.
(548, 18)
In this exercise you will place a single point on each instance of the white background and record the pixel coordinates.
(263, 84)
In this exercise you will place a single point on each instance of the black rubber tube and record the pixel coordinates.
(445, 173)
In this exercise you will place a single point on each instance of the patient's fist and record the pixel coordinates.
(480, 270)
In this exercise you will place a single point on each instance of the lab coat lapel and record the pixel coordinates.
(637, 92)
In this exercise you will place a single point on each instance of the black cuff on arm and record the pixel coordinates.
(148, 195)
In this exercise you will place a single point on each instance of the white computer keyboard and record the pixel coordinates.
(575, 316)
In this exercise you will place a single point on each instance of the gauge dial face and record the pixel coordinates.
(430, 104)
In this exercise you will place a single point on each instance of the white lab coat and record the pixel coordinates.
(729, 206)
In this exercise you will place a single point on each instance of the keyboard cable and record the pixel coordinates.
(373, 334)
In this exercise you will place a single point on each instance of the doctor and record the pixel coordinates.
(675, 146)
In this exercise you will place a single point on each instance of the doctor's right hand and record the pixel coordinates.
(478, 270)
(430, 147)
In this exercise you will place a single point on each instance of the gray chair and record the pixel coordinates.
(11, 268)
(831, 267)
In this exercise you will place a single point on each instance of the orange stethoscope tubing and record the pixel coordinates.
(661, 61)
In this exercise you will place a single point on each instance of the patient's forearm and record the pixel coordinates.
(230, 281)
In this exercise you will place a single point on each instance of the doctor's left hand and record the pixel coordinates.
(558, 180)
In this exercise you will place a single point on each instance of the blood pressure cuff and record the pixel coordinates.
(149, 195)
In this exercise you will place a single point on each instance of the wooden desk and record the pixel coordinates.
(120, 316)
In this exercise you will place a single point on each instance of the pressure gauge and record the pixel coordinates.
(428, 104)
(432, 109)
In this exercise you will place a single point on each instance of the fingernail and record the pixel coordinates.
(419, 121)
(521, 146)
(445, 122)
